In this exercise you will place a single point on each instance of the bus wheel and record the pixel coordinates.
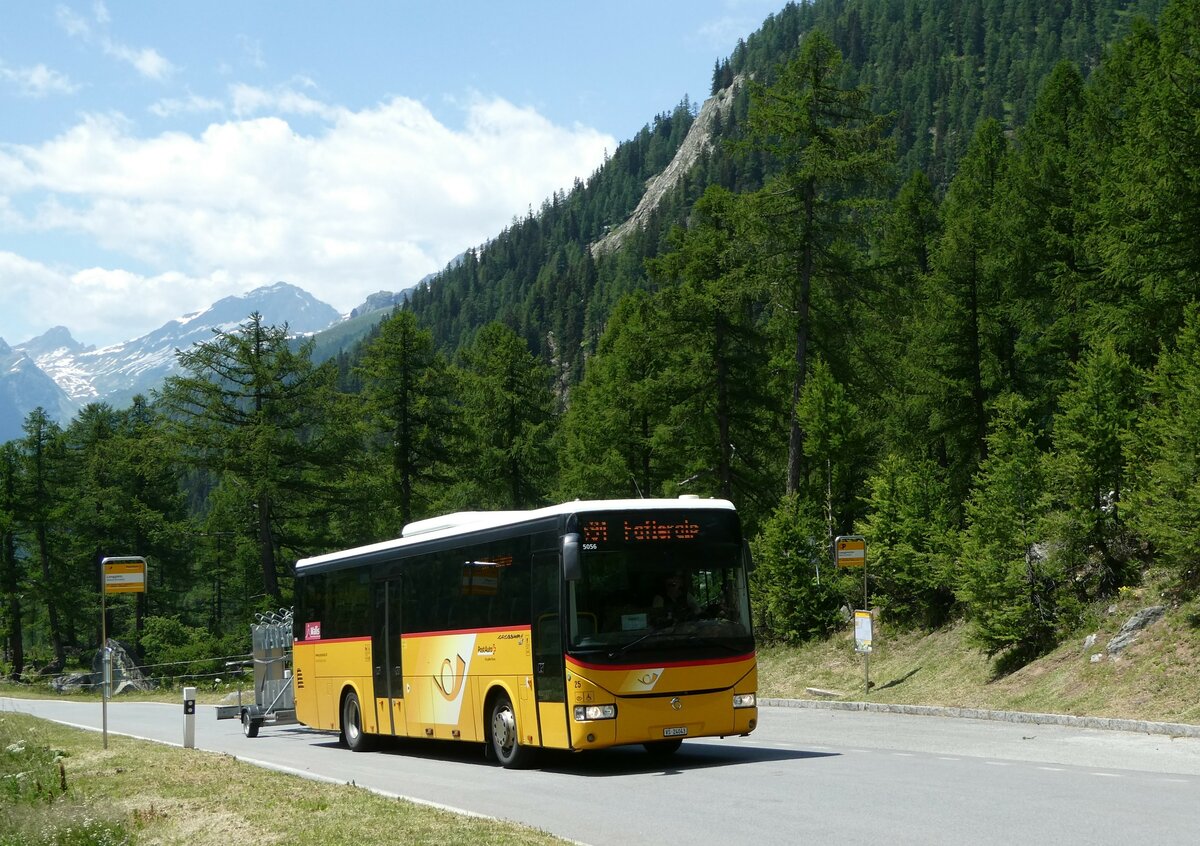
(352, 731)
(250, 725)
(663, 748)
(504, 738)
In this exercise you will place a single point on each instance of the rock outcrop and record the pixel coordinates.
(695, 143)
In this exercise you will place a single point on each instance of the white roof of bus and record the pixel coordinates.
(461, 522)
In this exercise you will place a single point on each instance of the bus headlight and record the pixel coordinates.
(744, 700)
(585, 713)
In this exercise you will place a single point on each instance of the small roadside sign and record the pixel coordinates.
(862, 631)
(119, 574)
(124, 576)
(851, 551)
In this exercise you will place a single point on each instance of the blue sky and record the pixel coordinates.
(155, 157)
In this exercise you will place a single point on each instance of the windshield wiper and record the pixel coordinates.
(668, 630)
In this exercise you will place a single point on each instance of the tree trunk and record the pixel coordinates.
(11, 589)
(56, 640)
(266, 548)
(803, 306)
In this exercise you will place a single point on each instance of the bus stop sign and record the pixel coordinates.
(851, 551)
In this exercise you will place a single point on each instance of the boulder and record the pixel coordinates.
(1132, 626)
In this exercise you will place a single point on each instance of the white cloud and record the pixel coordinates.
(104, 305)
(38, 81)
(252, 51)
(74, 25)
(369, 200)
(248, 100)
(191, 105)
(145, 60)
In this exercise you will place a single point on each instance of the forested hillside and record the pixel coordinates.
(935, 283)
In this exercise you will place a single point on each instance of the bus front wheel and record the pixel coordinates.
(504, 737)
(352, 727)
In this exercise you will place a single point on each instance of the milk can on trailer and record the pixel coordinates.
(274, 697)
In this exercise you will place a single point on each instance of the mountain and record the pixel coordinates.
(60, 374)
(24, 387)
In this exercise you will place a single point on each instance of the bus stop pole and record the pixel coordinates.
(867, 654)
(105, 672)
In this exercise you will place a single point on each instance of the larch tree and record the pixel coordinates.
(828, 154)
(262, 418)
(11, 577)
(509, 413)
(410, 392)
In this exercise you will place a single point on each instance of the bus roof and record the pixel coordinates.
(465, 522)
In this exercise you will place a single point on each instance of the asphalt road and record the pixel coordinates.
(806, 776)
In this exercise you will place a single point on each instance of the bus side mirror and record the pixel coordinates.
(571, 568)
(747, 557)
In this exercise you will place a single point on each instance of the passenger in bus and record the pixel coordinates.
(673, 600)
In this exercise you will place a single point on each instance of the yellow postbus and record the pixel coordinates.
(578, 626)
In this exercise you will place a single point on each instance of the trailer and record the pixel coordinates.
(274, 697)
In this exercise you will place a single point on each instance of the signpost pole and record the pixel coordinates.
(851, 551)
(119, 574)
(104, 671)
(867, 608)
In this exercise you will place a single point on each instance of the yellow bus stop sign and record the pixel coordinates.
(125, 577)
(851, 551)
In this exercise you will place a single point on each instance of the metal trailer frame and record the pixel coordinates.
(274, 696)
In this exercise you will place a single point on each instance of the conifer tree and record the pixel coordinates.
(828, 152)
(1088, 530)
(796, 591)
(41, 456)
(11, 577)
(1010, 584)
(723, 413)
(962, 352)
(1165, 491)
(1151, 192)
(409, 394)
(616, 431)
(262, 418)
(1051, 278)
(910, 529)
(509, 413)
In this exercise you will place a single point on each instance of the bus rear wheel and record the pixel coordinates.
(663, 748)
(504, 738)
(352, 727)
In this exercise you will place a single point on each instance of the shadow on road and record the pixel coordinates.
(630, 760)
(617, 761)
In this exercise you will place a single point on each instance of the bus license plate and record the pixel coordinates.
(680, 731)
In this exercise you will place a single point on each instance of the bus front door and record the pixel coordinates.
(385, 658)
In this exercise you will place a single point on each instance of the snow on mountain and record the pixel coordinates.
(62, 375)
(24, 387)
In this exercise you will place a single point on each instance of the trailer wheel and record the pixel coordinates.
(352, 727)
(250, 726)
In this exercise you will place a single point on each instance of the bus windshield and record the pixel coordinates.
(670, 588)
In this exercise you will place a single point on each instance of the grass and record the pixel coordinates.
(1154, 679)
(58, 787)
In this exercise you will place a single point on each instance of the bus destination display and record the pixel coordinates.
(618, 530)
